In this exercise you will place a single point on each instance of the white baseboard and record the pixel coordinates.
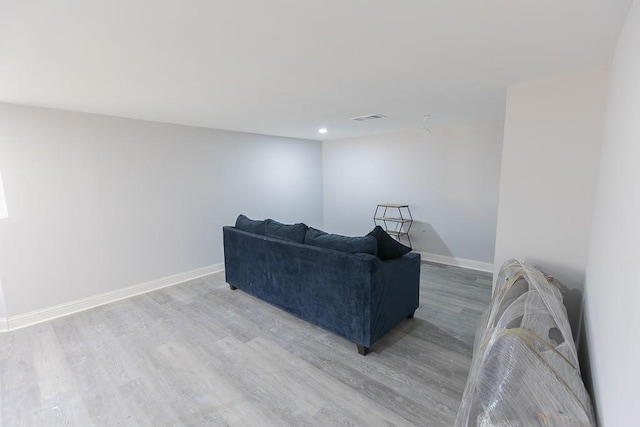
(458, 262)
(15, 322)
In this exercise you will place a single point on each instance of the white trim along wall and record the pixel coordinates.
(458, 262)
(38, 316)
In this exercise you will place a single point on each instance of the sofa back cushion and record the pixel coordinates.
(388, 247)
(291, 232)
(250, 225)
(352, 245)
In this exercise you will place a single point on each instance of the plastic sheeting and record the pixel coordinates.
(525, 368)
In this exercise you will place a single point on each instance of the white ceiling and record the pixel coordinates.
(288, 67)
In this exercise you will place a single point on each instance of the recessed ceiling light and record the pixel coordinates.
(322, 130)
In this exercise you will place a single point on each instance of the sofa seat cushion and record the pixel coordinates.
(388, 247)
(290, 232)
(247, 224)
(352, 245)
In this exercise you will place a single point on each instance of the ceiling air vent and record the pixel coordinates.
(368, 117)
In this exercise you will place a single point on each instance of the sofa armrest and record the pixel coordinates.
(395, 293)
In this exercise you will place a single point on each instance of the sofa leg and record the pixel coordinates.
(233, 288)
(410, 316)
(362, 349)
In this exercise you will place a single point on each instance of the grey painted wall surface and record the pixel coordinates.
(450, 178)
(99, 203)
(552, 139)
(612, 292)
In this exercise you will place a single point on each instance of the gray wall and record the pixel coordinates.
(612, 291)
(552, 138)
(99, 203)
(450, 179)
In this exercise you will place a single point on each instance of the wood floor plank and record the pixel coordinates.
(198, 353)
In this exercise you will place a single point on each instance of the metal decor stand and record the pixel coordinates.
(395, 219)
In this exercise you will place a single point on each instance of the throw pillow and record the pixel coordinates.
(250, 225)
(388, 247)
(291, 232)
(352, 245)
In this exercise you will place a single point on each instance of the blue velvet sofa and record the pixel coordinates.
(355, 295)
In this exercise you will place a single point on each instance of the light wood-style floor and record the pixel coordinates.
(200, 354)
